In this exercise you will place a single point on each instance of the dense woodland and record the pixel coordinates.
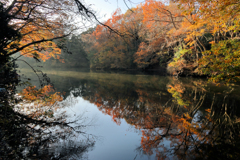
(196, 37)
(186, 37)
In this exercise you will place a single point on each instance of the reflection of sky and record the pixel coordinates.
(113, 141)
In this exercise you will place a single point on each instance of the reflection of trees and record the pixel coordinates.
(194, 133)
(21, 134)
(129, 100)
(194, 117)
(39, 133)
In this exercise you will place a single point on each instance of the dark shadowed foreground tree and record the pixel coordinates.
(30, 124)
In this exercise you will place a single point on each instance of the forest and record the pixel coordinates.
(196, 37)
(187, 37)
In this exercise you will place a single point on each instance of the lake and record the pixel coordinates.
(138, 116)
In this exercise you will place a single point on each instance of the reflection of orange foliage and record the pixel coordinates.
(41, 101)
(98, 104)
(159, 117)
(116, 118)
(141, 95)
(32, 94)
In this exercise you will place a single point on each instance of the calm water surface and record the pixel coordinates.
(138, 116)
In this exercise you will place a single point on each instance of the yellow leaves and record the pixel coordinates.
(209, 16)
(177, 93)
(202, 31)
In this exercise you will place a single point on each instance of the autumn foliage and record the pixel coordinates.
(176, 35)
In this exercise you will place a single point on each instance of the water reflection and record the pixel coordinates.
(177, 118)
(31, 126)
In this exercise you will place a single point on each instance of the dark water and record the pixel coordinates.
(138, 116)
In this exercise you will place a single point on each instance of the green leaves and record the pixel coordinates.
(222, 62)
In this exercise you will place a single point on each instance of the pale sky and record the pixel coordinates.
(104, 9)
(107, 7)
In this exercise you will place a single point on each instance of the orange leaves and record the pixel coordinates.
(114, 48)
(156, 32)
(157, 13)
(209, 16)
(150, 7)
(39, 22)
(161, 23)
(44, 50)
(141, 54)
(208, 110)
(146, 53)
(116, 16)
